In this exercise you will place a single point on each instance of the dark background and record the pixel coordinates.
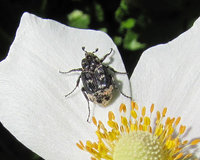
(134, 25)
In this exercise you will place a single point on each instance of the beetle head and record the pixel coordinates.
(90, 61)
(89, 53)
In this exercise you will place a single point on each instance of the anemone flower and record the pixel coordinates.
(32, 92)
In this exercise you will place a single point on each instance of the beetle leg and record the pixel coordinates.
(77, 83)
(116, 87)
(124, 94)
(83, 91)
(112, 69)
(73, 70)
(101, 60)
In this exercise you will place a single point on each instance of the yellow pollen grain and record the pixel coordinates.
(134, 114)
(158, 116)
(122, 108)
(79, 146)
(112, 124)
(140, 127)
(124, 121)
(122, 128)
(94, 121)
(81, 143)
(195, 142)
(95, 145)
(141, 119)
(132, 105)
(179, 156)
(100, 124)
(188, 156)
(177, 121)
(182, 129)
(136, 107)
(170, 130)
(111, 116)
(172, 120)
(147, 121)
(164, 112)
(89, 144)
(168, 121)
(152, 108)
(185, 142)
(143, 111)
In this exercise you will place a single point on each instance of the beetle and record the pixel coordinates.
(97, 79)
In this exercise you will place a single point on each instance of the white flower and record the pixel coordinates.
(33, 106)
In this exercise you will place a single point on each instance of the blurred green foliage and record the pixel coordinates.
(130, 41)
(125, 35)
(78, 19)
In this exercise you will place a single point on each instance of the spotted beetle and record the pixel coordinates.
(98, 82)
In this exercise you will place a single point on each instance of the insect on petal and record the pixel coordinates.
(32, 91)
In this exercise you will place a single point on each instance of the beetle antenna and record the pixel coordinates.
(83, 48)
(95, 51)
(86, 52)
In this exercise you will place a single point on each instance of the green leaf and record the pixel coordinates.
(99, 12)
(123, 5)
(128, 24)
(118, 40)
(130, 41)
(104, 29)
(121, 11)
(78, 19)
(35, 157)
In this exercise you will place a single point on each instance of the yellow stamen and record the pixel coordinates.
(134, 139)
(143, 111)
(152, 108)
(195, 142)
(111, 116)
(164, 112)
(94, 121)
(122, 108)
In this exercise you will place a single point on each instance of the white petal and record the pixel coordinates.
(32, 103)
(169, 76)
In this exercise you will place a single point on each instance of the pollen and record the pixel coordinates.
(140, 137)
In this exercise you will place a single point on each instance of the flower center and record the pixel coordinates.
(138, 145)
(136, 139)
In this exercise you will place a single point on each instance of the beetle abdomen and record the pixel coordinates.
(98, 85)
(103, 77)
(98, 80)
(102, 98)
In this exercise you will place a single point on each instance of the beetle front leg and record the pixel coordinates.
(73, 70)
(77, 83)
(83, 91)
(101, 60)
